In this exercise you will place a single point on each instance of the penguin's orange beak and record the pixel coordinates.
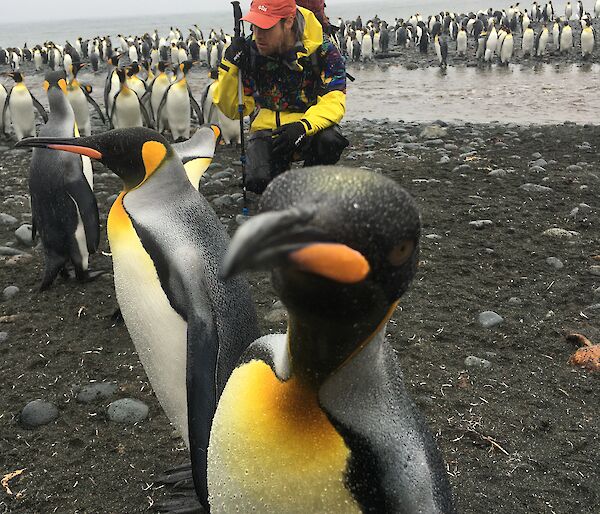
(56, 143)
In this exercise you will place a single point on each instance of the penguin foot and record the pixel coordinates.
(180, 504)
(183, 499)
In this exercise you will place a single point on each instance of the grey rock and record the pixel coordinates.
(223, 201)
(537, 169)
(462, 167)
(38, 413)
(451, 146)
(574, 168)
(475, 362)
(594, 307)
(276, 316)
(240, 219)
(536, 188)
(539, 162)
(434, 132)
(498, 173)
(595, 292)
(560, 233)
(555, 262)
(127, 410)
(479, 224)
(515, 301)
(9, 292)
(3, 337)
(595, 270)
(96, 391)
(444, 159)
(433, 236)
(489, 319)
(7, 219)
(215, 166)
(24, 235)
(536, 155)
(7, 250)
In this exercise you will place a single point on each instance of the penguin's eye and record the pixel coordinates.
(401, 252)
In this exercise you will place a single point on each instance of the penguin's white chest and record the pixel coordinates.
(157, 331)
(128, 112)
(21, 111)
(78, 102)
(272, 449)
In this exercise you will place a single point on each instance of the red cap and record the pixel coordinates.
(266, 13)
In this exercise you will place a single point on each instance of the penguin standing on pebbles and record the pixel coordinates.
(319, 419)
(19, 105)
(63, 205)
(189, 327)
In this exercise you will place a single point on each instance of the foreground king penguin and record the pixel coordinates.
(318, 419)
(189, 327)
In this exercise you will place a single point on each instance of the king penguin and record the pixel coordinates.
(230, 129)
(189, 327)
(63, 205)
(4, 114)
(177, 104)
(127, 108)
(319, 420)
(79, 96)
(20, 103)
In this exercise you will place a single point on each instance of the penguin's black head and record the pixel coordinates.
(133, 154)
(162, 66)
(16, 76)
(133, 69)
(122, 74)
(340, 242)
(186, 66)
(55, 79)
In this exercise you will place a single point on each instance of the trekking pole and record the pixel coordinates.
(239, 32)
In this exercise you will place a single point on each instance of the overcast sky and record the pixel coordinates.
(38, 10)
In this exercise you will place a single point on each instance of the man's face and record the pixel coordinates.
(273, 41)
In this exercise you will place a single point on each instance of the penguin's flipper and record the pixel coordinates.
(5, 110)
(372, 412)
(146, 116)
(201, 382)
(197, 153)
(197, 109)
(89, 98)
(112, 112)
(162, 104)
(78, 188)
(205, 119)
(40, 108)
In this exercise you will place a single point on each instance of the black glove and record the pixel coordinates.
(238, 53)
(287, 138)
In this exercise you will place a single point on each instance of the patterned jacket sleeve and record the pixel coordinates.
(331, 104)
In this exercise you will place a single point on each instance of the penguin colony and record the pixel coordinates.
(249, 408)
(492, 34)
(315, 420)
(145, 85)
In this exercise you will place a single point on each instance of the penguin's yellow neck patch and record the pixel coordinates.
(119, 224)
(153, 154)
(272, 446)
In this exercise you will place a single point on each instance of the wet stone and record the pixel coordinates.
(7, 250)
(537, 169)
(127, 410)
(536, 155)
(536, 188)
(595, 270)
(3, 337)
(555, 262)
(475, 362)
(276, 316)
(38, 413)
(7, 219)
(96, 391)
(539, 162)
(498, 173)
(24, 235)
(480, 224)
(574, 168)
(9, 292)
(560, 233)
(490, 319)
(444, 159)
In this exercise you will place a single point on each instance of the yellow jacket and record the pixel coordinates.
(314, 92)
